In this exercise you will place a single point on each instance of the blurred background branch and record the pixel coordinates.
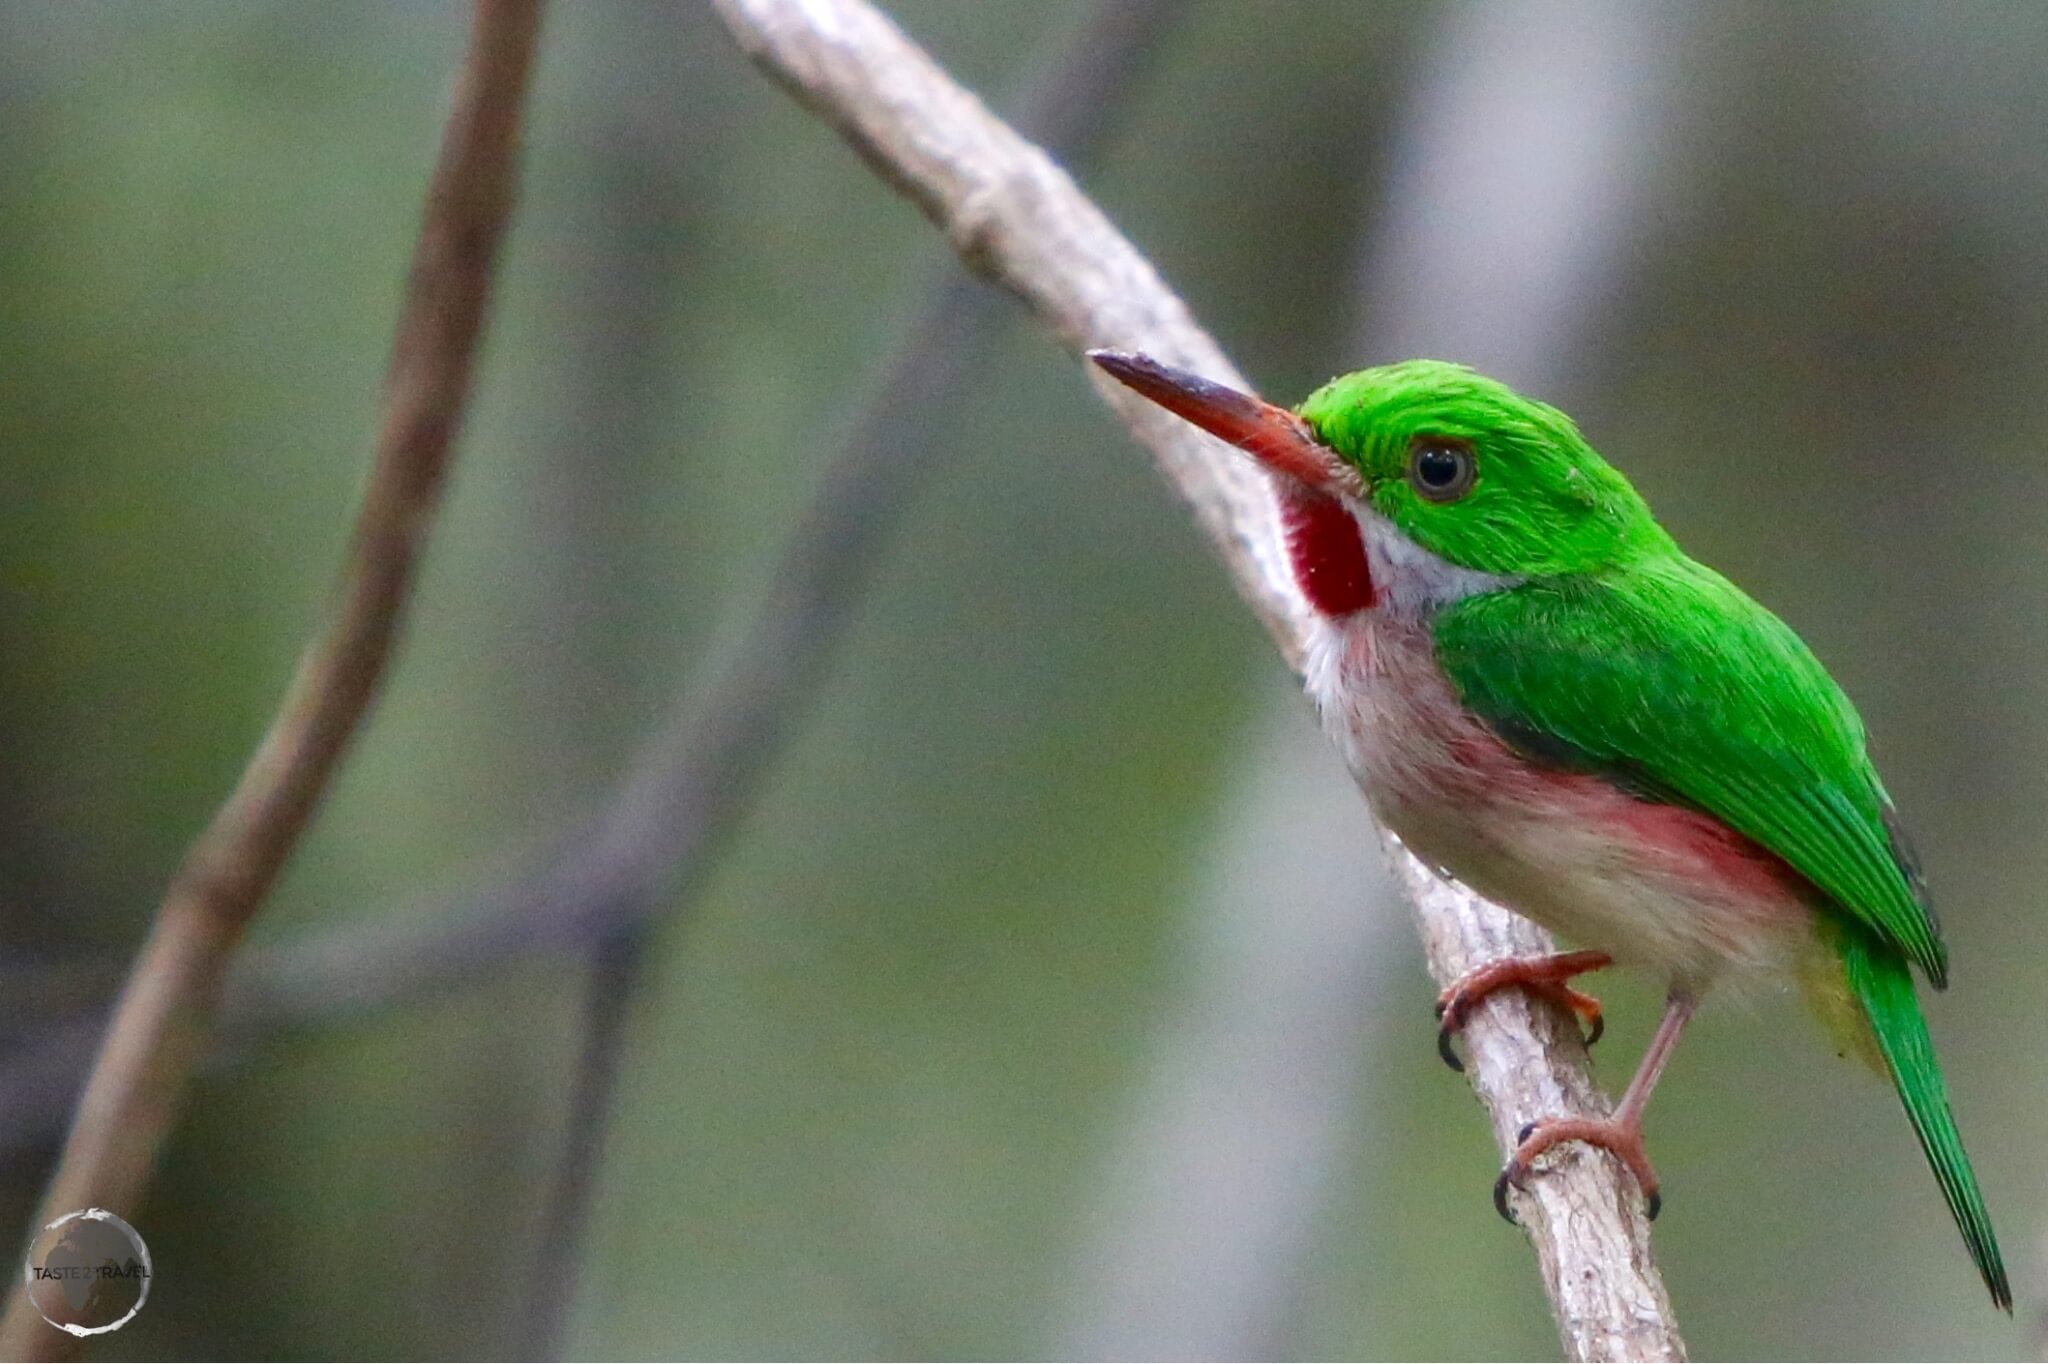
(161, 1024)
(713, 760)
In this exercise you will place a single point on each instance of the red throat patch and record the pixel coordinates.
(1328, 554)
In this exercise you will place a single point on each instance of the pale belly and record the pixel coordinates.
(1654, 885)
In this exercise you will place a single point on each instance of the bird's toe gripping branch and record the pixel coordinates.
(1544, 976)
(1621, 1136)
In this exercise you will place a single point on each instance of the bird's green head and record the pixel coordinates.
(1461, 464)
(1477, 474)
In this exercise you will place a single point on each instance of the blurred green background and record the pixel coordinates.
(1047, 1002)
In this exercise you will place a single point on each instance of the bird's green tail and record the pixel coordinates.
(1883, 982)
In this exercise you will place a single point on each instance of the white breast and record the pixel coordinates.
(1573, 852)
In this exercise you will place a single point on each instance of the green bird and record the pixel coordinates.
(1545, 697)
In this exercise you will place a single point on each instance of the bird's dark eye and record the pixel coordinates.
(1440, 469)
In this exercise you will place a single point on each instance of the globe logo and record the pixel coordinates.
(88, 1272)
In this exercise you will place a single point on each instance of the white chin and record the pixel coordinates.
(1415, 580)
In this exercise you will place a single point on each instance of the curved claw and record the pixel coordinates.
(1446, 1050)
(1500, 1197)
(1599, 1027)
(1656, 1204)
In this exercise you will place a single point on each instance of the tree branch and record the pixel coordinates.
(162, 1023)
(1016, 218)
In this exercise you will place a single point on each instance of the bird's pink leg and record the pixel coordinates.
(1545, 976)
(1621, 1132)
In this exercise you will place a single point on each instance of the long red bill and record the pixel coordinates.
(1323, 543)
(1274, 436)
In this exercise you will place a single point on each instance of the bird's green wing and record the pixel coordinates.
(1671, 681)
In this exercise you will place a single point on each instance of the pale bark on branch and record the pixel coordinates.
(164, 1019)
(1016, 218)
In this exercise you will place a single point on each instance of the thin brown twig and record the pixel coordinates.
(163, 1020)
(1019, 220)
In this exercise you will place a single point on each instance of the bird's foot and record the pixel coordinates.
(1622, 1137)
(1545, 976)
